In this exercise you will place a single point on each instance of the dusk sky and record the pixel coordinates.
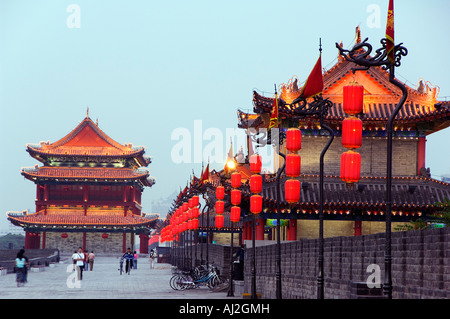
(148, 68)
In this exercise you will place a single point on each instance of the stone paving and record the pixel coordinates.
(103, 282)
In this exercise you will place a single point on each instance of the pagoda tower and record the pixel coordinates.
(88, 193)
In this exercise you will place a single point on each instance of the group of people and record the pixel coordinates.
(130, 260)
(82, 260)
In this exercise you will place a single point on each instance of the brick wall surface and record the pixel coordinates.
(94, 242)
(420, 265)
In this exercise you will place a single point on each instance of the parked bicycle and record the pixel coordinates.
(203, 275)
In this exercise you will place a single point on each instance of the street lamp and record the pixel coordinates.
(388, 59)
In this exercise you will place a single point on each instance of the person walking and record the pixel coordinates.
(80, 263)
(86, 264)
(91, 258)
(152, 259)
(128, 257)
(74, 260)
(135, 257)
(20, 265)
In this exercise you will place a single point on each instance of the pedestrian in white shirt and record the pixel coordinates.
(79, 257)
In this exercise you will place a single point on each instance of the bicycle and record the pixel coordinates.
(199, 276)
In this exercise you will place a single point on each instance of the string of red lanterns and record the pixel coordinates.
(293, 165)
(256, 184)
(352, 133)
(219, 206)
(235, 212)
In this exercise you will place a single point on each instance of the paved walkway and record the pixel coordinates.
(103, 282)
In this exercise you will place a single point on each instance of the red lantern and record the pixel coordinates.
(64, 235)
(220, 207)
(353, 99)
(220, 192)
(189, 224)
(292, 191)
(235, 197)
(104, 236)
(256, 204)
(236, 180)
(195, 212)
(219, 221)
(190, 203)
(185, 206)
(350, 167)
(352, 133)
(255, 163)
(195, 223)
(293, 139)
(293, 163)
(235, 214)
(256, 183)
(195, 200)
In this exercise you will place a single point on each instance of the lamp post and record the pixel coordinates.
(359, 55)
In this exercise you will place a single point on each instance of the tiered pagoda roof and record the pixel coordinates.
(75, 219)
(83, 174)
(88, 141)
(422, 111)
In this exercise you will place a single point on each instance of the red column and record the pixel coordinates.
(124, 242)
(84, 241)
(143, 244)
(292, 230)
(358, 225)
(44, 235)
(421, 154)
(45, 192)
(27, 240)
(259, 229)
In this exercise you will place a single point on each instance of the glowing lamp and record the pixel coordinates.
(353, 99)
(220, 192)
(231, 164)
(236, 180)
(219, 221)
(352, 133)
(256, 204)
(350, 167)
(235, 214)
(255, 163)
(293, 139)
(235, 197)
(220, 207)
(293, 162)
(256, 183)
(292, 191)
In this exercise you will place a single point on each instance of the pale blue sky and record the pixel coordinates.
(145, 68)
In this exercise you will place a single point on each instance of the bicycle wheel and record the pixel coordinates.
(173, 282)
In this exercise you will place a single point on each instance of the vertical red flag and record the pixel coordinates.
(314, 83)
(390, 32)
(274, 116)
